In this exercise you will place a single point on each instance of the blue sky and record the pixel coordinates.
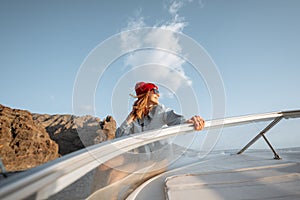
(254, 45)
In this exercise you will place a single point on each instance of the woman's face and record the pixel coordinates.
(153, 97)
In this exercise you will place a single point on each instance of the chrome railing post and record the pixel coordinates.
(261, 134)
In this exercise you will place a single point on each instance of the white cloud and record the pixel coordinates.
(169, 68)
(174, 7)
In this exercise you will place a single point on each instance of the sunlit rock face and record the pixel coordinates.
(24, 144)
(28, 140)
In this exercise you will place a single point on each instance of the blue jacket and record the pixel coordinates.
(158, 117)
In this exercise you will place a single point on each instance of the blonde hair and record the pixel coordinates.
(139, 108)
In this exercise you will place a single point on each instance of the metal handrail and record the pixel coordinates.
(50, 178)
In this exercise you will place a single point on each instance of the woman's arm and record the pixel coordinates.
(126, 127)
(173, 119)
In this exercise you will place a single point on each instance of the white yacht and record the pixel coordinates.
(113, 169)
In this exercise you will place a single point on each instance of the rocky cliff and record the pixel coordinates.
(23, 143)
(72, 133)
(28, 140)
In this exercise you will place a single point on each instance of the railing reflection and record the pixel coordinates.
(118, 177)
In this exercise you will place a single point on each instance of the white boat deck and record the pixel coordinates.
(253, 175)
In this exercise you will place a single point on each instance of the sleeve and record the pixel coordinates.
(124, 129)
(171, 118)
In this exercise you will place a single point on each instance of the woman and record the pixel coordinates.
(147, 113)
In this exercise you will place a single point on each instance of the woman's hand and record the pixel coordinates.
(198, 122)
